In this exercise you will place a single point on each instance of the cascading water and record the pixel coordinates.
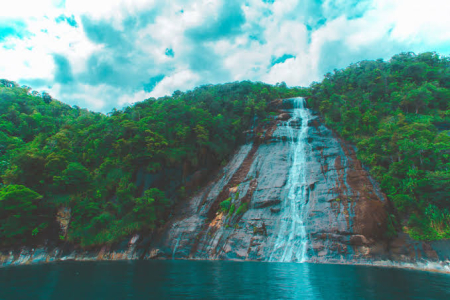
(176, 245)
(291, 241)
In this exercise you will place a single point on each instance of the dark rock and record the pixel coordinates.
(284, 117)
(358, 240)
(442, 249)
(263, 204)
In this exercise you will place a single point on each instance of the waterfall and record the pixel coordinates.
(291, 240)
(176, 245)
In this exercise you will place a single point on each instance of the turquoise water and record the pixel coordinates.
(217, 280)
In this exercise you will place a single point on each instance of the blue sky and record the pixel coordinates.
(105, 54)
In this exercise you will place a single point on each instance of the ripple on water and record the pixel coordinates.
(217, 279)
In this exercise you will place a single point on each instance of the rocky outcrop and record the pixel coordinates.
(347, 218)
(63, 216)
(348, 213)
(131, 250)
(237, 215)
(254, 179)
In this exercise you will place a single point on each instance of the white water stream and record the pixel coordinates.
(291, 240)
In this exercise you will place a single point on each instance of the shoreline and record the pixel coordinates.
(444, 267)
(42, 257)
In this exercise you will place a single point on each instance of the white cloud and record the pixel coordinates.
(353, 30)
(26, 8)
(181, 80)
(21, 62)
(93, 97)
(416, 20)
(280, 8)
(133, 98)
(113, 10)
(31, 57)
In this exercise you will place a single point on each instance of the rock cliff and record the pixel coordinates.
(346, 219)
(243, 213)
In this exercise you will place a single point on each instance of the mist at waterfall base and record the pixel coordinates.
(217, 280)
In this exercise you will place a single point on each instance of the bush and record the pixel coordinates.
(242, 208)
(18, 218)
(232, 209)
(225, 205)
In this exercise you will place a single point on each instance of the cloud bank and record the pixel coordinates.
(105, 54)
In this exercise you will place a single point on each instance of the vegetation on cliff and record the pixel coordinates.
(53, 155)
(120, 173)
(398, 115)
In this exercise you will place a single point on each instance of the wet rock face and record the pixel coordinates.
(347, 212)
(239, 213)
(257, 180)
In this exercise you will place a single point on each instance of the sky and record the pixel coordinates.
(109, 54)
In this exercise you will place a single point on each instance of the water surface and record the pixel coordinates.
(217, 279)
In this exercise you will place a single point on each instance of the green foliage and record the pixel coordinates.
(391, 225)
(92, 162)
(225, 205)
(149, 209)
(396, 112)
(18, 220)
(242, 208)
(232, 209)
(74, 178)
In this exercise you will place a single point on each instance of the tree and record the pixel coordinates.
(47, 98)
(405, 101)
(18, 205)
(417, 98)
(75, 178)
(148, 209)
